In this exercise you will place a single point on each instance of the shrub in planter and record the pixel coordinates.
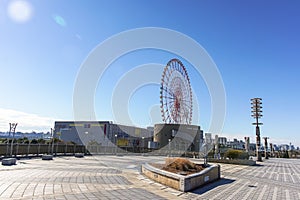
(236, 154)
(243, 155)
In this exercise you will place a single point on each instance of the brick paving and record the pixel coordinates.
(118, 177)
(271, 179)
(103, 177)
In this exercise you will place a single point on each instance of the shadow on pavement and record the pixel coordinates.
(258, 165)
(210, 186)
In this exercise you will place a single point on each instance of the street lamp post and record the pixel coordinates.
(52, 135)
(116, 136)
(12, 129)
(143, 145)
(205, 153)
(256, 114)
(169, 147)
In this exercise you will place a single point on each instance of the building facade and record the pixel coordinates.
(103, 133)
(222, 140)
(178, 136)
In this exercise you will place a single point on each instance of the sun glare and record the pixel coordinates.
(20, 11)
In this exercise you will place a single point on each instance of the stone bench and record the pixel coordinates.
(9, 161)
(47, 157)
(79, 155)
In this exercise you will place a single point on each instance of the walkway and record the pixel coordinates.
(118, 177)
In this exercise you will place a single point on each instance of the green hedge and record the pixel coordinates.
(236, 154)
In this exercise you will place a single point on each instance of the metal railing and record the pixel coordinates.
(21, 150)
(32, 150)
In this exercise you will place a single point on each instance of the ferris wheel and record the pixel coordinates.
(176, 94)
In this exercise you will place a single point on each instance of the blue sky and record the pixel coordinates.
(254, 44)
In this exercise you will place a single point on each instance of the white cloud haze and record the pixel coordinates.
(27, 122)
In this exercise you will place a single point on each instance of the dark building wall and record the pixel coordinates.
(181, 136)
(104, 133)
(82, 132)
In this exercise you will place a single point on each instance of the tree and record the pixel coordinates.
(41, 141)
(34, 141)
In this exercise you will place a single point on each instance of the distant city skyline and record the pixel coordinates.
(34, 135)
(254, 44)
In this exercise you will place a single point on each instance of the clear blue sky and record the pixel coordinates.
(255, 45)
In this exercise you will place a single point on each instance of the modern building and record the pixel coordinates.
(103, 133)
(236, 144)
(178, 136)
(222, 140)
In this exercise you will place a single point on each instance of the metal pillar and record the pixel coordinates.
(256, 114)
(12, 129)
(258, 153)
(169, 148)
(52, 134)
(271, 150)
(116, 147)
(247, 144)
(266, 147)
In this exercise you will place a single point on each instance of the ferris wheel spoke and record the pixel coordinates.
(169, 97)
(187, 104)
(168, 103)
(186, 100)
(168, 118)
(168, 91)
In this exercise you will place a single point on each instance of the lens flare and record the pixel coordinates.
(59, 20)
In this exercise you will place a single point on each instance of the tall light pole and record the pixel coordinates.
(143, 145)
(266, 147)
(256, 114)
(12, 129)
(169, 147)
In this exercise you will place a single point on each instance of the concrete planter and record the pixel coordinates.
(47, 157)
(234, 161)
(9, 161)
(180, 182)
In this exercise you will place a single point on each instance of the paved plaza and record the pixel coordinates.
(118, 177)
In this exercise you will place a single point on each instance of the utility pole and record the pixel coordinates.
(256, 114)
(266, 147)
